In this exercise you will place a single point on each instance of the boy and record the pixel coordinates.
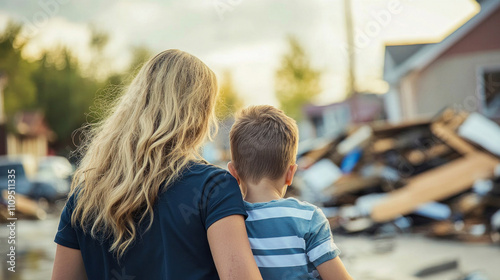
(290, 239)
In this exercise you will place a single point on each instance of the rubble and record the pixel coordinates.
(437, 268)
(438, 176)
(24, 208)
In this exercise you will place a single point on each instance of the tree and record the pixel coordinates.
(140, 55)
(20, 92)
(117, 82)
(53, 84)
(63, 94)
(99, 65)
(296, 82)
(59, 85)
(228, 101)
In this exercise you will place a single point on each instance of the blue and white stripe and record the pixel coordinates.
(289, 236)
(322, 249)
(284, 242)
(278, 212)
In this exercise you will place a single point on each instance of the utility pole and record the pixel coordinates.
(351, 97)
(351, 49)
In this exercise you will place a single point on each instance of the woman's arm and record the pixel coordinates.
(333, 269)
(231, 250)
(68, 264)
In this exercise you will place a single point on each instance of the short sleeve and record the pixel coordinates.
(66, 234)
(222, 197)
(319, 240)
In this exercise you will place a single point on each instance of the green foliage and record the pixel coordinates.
(63, 93)
(228, 101)
(99, 65)
(20, 92)
(140, 54)
(115, 83)
(53, 84)
(98, 39)
(296, 82)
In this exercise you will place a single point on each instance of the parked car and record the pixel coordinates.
(45, 184)
(22, 184)
(52, 177)
(56, 166)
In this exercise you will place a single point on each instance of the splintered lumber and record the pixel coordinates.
(388, 130)
(417, 156)
(313, 156)
(351, 184)
(452, 139)
(383, 145)
(356, 139)
(27, 207)
(436, 184)
(469, 202)
(452, 118)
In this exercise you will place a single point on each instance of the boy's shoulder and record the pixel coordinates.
(289, 202)
(292, 201)
(298, 216)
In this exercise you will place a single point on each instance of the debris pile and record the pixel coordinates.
(24, 207)
(439, 176)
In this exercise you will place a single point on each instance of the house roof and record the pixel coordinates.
(367, 107)
(400, 60)
(399, 54)
(31, 124)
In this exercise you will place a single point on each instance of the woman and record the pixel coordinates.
(143, 205)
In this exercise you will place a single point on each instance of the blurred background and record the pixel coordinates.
(397, 101)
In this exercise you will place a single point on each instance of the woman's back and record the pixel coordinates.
(159, 215)
(176, 245)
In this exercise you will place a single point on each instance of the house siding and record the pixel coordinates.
(451, 81)
(485, 37)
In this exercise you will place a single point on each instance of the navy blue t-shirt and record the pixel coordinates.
(176, 246)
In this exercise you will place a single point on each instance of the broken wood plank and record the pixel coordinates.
(452, 139)
(315, 155)
(350, 184)
(383, 145)
(436, 184)
(419, 156)
(27, 207)
(468, 203)
(388, 129)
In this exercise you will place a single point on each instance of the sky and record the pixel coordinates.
(245, 37)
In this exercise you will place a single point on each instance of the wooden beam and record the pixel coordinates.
(436, 184)
(452, 139)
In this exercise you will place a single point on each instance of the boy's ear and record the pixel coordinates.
(233, 171)
(290, 173)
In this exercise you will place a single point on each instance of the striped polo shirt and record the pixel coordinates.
(289, 238)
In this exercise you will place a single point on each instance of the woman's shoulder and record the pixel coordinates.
(205, 175)
(206, 168)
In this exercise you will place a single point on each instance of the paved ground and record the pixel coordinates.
(411, 253)
(35, 251)
(361, 255)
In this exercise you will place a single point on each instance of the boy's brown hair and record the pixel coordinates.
(263, 143)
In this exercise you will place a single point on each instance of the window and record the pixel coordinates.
(490, 91)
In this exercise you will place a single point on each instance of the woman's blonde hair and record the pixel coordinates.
(153, 131)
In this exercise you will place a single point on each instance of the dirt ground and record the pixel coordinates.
(363, 257)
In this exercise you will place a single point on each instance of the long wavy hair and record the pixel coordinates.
(152, 131)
